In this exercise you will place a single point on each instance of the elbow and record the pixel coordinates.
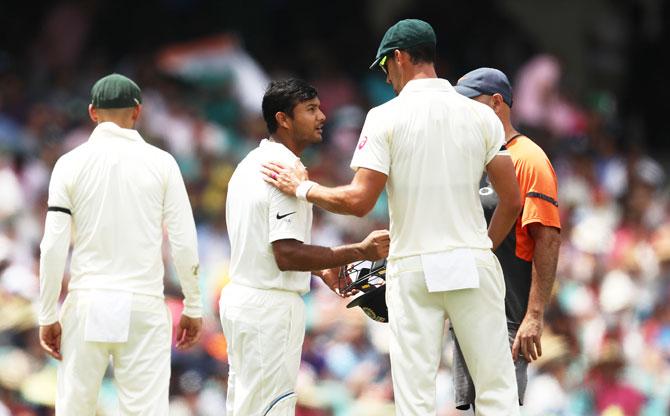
(361, 208)
(282, 263)
(360, 211)
(283, 260)
(516, 206)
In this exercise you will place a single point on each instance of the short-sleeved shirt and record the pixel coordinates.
(539, 192)
(258, 214)
(434, 145)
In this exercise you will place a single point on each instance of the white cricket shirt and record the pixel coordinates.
(114, 193)
(434, 145)
(258, 214)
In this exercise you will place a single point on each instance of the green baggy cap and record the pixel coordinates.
(115, 91)
(405, 34)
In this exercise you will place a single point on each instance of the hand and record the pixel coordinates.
(283, 178)
(189, 332)
(528, 338)
(50, 339)
(376, 245)
(331, 277)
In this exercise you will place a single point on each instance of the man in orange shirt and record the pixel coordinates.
(530, 252)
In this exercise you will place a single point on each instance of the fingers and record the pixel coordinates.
(269, 175)
(515, 348)
(51, 345)
(190, 330)
(529, 346)
(274, 166)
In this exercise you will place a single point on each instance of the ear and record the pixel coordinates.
(136, 112)
(92, 113)
(497, 102)
(282, 120)
(398, 56)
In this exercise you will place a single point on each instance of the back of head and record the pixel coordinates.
(282, 96)
(115, 91)
(485, 81)
(115, 98)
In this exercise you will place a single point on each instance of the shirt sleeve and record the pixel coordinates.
(178, 219)
(539, 188)
(54, 246)
(286, 217)
(494, 138)
(373, 150)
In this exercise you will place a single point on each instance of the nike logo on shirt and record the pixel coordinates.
(279, 217)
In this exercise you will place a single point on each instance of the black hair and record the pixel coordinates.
(422, 53)
(283, 96)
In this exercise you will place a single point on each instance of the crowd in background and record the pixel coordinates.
(606, 348)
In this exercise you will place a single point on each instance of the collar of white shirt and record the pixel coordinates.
(108, 128)
(427, 84)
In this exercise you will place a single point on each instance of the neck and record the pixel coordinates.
(281, 136)
(124, 124)
(510, 131)
(419, 71)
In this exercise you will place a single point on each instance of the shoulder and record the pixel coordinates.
(528, 152)
(158, 154)
(269, 151)
(68, 161)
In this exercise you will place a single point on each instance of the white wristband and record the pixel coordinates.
(303, 188)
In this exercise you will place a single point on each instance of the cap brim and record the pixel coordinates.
(375, 63)
(467, 91)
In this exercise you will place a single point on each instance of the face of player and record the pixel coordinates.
(393, 77)
(307, 121)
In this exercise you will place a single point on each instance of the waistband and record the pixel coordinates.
(415, 264)
(140, 301)
(239, 288)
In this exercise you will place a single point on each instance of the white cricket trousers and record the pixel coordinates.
(417, 319)
(264, 330)
(141, 365)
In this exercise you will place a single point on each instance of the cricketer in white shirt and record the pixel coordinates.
(111, 197)
(262, 313)
(429, 146)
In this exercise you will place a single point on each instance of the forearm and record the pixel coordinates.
(185, 256)
(53, 256)
(544, 273)
(344, 199)
(187, 269)
(184, 248)
(503, 219)
(305, 257)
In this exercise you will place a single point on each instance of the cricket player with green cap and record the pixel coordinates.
(430, 146)
(111, 197)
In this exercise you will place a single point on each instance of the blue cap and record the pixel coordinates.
(485, 81)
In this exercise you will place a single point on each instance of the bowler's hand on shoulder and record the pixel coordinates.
(286, 179)
(50, 339)
(376, 245)
(189, 331)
